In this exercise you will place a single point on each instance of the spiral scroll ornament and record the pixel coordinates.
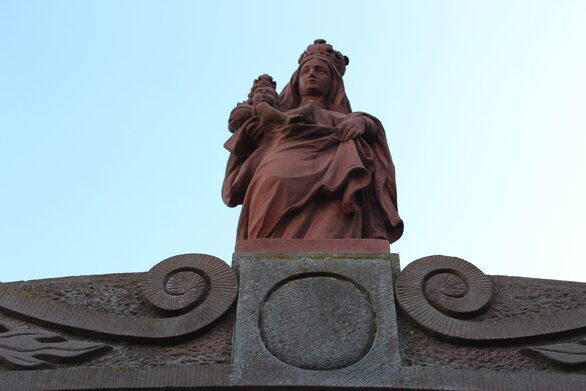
(180, 283)
(443, 295)
(434, 290)
(193, 291)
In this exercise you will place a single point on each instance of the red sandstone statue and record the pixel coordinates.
(303, 165)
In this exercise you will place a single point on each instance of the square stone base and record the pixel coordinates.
(322, 319)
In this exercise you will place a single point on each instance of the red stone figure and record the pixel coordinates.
(303, 165)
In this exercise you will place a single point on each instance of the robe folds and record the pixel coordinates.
(301, 181)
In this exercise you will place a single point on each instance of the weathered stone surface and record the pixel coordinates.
(116, 293)
(315, 319)
(307, 322)
(120, 294)
(190, 312)
(514, 298)
(310, 306)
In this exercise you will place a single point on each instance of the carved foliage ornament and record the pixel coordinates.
(36, 349)
(570, 355)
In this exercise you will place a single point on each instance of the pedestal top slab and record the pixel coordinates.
(364, 246)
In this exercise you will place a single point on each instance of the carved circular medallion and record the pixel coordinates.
(318, 321)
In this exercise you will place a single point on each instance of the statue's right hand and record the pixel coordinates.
(262, 108)
(270, 114)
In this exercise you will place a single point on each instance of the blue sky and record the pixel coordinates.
(113, 116)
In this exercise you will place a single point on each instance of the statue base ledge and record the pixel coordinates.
(368, 246)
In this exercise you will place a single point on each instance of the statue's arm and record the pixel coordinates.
(240, 145)
(245, 124)
(270, 114)
(243, 160)
(233, 190)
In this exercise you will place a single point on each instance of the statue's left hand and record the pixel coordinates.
(351, 128)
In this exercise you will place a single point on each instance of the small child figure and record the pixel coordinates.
(263, 102)
(263, 91)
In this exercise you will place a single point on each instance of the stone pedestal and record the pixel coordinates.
(315, 319)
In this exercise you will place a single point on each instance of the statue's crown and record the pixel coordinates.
(264, 80)
(323, 50)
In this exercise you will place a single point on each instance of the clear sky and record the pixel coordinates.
(113, 115)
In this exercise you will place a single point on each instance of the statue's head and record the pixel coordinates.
(264, 89)
(319, 73)
(315, 78)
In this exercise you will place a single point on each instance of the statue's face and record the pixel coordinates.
(314, 78)
(264, 94)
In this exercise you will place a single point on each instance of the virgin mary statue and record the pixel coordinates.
(304, 166)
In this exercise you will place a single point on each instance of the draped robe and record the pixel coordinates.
(301, 181)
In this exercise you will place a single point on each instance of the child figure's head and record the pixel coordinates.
(264, 90)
